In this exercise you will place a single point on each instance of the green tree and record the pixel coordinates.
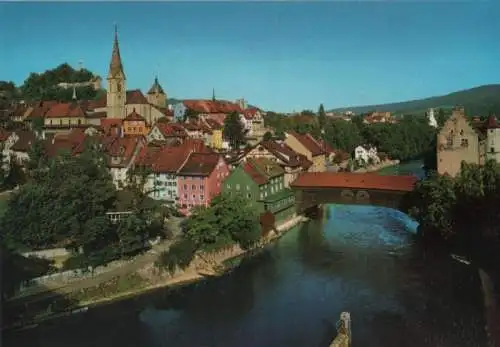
(227, 221)
(234, 130)
(441, 118)
(321, 116)
(57, 205)
(267, 136)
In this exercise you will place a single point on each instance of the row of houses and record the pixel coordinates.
(184, 171)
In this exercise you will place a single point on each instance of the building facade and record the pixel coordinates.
(308, 146)
(459, 141)
(262, 182)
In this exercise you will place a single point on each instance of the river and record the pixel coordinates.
(359, 259)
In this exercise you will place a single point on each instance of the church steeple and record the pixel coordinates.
(116, 66)
(117, 89)
(213, 94)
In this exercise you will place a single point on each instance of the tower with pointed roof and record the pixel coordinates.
(156, 94)
(117, 90)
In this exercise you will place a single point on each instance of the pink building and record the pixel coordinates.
(200, 180)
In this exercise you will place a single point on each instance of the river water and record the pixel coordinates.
(359, 259)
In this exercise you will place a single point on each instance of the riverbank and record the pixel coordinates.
(202, 267)
(377, 167)
(150, 278)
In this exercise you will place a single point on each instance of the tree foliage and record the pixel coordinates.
(64, 203)
(234, 130)
(44, 86)
(410, 138)
(461, 210)
(228, 220)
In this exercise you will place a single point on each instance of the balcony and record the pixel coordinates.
(279, 201)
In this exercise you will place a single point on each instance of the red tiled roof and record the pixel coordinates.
(172, 129)
(254, 174)
(124, 148)
(309, 143)
(212, 123)
(26, 139)
(134, 116)
(329, 149)
(491, 123)
(69, 109)
(171, 159)
(210, 106)
(108, 123)
(285, 154)
(218, 117)
(100, 103)
(200, 164)
(354, 181)
(148, 156)
(249, 113)
(136, 97)
(196, 145)
(41, 109)
(192, 126)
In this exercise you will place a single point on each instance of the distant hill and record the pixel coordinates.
(477, 101)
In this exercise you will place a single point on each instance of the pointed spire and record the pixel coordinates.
(213, 94)
(74, 93)
(116, 66)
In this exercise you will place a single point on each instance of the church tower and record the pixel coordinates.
(117, 90)
(156, 95)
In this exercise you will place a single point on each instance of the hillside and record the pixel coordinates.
(477, 101)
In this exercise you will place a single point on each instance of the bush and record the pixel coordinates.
(179, 255)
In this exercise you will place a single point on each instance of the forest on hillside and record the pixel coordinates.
(44, 86)
(478, 101)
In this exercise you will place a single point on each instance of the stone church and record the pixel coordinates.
(120, 102)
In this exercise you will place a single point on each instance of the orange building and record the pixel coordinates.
(134, 124)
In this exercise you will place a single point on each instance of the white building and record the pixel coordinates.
(492, 139)
(366, 154)
(432, 119)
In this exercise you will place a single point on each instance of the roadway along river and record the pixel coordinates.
(358, 259)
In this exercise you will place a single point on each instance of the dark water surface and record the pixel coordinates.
(358, 259)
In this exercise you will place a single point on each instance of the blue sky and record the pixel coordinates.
(280, 56)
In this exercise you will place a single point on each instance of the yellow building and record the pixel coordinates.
(308, 146)
(135, 125)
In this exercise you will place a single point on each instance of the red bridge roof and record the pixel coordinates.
(354, 181)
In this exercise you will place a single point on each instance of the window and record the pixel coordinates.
(249, 195)
(248, 187)
(449, 141)
(262, 195)
(185, 196)
(228, 186)
(185, 187)
(464, 143)
(461, 132)
(492, 150)
(237, 187)
(202, 197)
(193, 187)
(194, 196)
(202, 187)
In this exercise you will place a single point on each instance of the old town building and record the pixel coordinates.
(308, 146)
(459, 141)
(262, 182)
